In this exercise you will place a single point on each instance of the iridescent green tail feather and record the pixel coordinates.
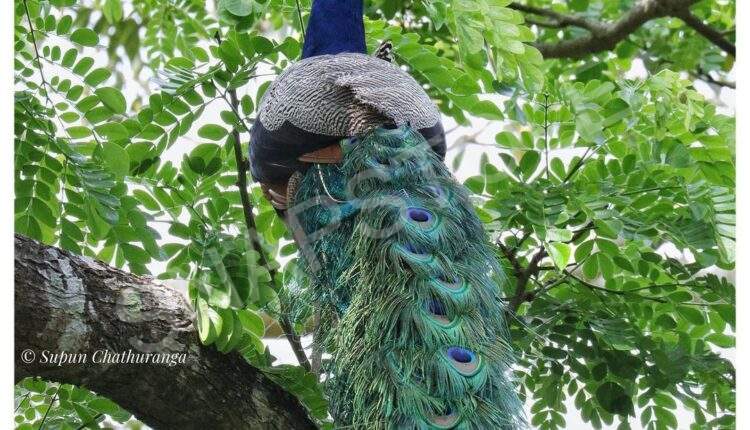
(400, 266)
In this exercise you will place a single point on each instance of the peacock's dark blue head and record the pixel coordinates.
(335, 26)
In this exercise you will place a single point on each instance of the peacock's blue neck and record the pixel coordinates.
(335, 26)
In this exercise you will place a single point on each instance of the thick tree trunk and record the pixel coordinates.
(72, 304)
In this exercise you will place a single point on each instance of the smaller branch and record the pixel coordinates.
(52, 402)
(630, 293)
(301, 22)
(247, 208)
(607, 290)
(26, 396)
(676, 284)
(552, 283)
(706, 76)
(698, 74)
(713, 35)
(525, 236)
(532, 270)
(546, 135)
(559, 20)
(511, 256)
(36, 54)
(545, 24)
(519, 296)
(578, 165)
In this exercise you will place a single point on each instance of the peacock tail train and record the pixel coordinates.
(409, 290)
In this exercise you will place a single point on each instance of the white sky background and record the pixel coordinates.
(484, 130)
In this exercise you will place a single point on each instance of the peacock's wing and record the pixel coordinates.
(320, 100)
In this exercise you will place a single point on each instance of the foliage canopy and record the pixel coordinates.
(597, 175)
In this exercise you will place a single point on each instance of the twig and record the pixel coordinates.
(301, 22)
(247, 210)
(36, 53)
(580, 162)
(21, 402)
(714, 36)
(532, 270)
(628, 292)
(546, 135)
(706, 76)
(519, 296)
(559, 20)
(52, 402)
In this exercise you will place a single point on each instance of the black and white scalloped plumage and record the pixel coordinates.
(323, 99)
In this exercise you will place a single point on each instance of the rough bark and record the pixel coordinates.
(65, 302)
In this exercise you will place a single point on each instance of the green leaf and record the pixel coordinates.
(560, 254)
(507, 139)
(78, 132)
(205, 159)
(584, 250)
(465, 85)
(590, 267)
(97, 76)
(212, 132)
(613, 399)
(208, 322)
(84, 36)
(608, 247)
(692, 315)
(146, 199)
(116, 158)
(112, 11)
(721, 340)
(614, 111)
(261, 45)
(247, 105)
(112, 98)
(237, 7)
(42, 212)
(529, 162)
(63, 25)
(666, 321)
(104, 406)
(252, 322)
(69, 57)
(113, 131)
(589, 125)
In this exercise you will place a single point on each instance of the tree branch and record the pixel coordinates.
(706, 76)
(523, 276)
(519, 296)
(605, 36)
(72, 304)
(714, 36)
(559, 20)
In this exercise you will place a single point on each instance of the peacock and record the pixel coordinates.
(349, 149)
